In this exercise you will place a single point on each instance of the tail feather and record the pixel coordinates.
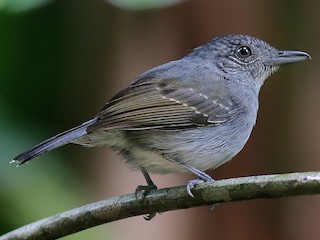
(54, 142)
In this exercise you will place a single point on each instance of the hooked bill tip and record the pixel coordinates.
(296, 54)
(285, 57)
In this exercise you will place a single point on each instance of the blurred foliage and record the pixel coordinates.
(143, 4)
(32, 47)
(21, 5)
(25, 5)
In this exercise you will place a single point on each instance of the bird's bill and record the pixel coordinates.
(284, 57)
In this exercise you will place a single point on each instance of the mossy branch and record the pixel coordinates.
(167, 199)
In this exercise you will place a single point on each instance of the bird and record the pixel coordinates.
(188, 115)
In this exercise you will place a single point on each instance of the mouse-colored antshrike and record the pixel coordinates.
(188, 115)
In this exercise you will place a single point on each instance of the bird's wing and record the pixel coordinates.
(165, 105)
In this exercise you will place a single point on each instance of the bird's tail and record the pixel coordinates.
(54, 142)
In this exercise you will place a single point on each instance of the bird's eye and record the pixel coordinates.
(244, 52)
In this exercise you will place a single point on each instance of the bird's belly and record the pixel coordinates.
(201, 148)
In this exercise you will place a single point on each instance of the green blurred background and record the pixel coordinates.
(60, 61)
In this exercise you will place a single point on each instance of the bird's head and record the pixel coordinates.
(245, 58)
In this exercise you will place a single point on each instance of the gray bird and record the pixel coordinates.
(188, 115)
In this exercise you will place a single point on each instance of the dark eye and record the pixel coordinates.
(244, 52)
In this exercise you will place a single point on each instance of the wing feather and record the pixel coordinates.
(164, 105)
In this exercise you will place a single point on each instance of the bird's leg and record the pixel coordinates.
(146, 189)
(149, 181)
(150, 185)
(203, 177)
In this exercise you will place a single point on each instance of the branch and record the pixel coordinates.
(167, 199)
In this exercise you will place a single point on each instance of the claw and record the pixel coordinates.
(194, 182)
(149, 216)
(191, 185)
(144, 191)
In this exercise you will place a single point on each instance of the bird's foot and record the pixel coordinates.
(142, 191)
(192, 183)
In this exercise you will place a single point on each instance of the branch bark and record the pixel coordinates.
(167, 199)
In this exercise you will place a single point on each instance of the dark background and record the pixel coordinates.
(61, 61)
